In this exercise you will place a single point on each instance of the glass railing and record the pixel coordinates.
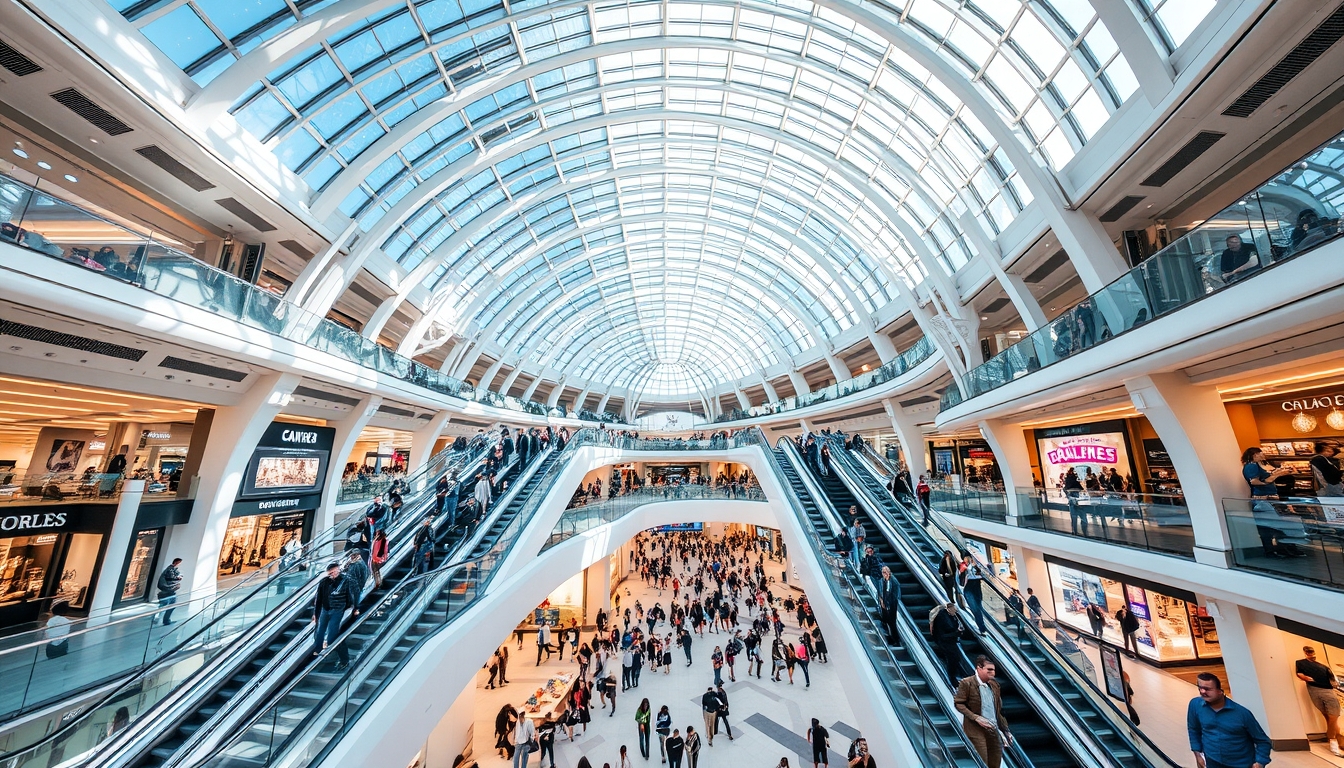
(165, 657)
(1298, 539)
(849, 594)
(984, 503)
(366, 488)
(585, 517)
(318, 707)
(46, 224)
(633, 442)
(1294, 212)
(1022, 629)
(901, 364)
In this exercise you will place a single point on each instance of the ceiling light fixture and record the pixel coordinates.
(71, 179)
(1335, 420)
(1304, 422)
(44, 165)
(21, 153)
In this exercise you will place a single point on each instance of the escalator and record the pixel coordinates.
(491, 534)
(1017, 649)
(288, 651)
(902, 661)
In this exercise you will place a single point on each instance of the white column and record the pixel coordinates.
(1192, 422)
(597, 590)
(770, 394)
(886, 351)
(1009, 445)
(910, 436)
(531, 389)
(838, 368)
(553, 399)
(233, 437)
(799, 382)
(508, 380)
(578, 401)
(490, 373)
(1260, 671)
(348, 430)
(1031, 572)
(423, 439)
(118, 546)
(602, 404)
(742, 400)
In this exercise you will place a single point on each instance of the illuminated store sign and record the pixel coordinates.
(1076, 454)
(1313, 403)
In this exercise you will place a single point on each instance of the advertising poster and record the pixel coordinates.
(1112, 672)
(1082, 452)
(64, 456)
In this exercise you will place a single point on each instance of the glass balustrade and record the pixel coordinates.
(43, 223)
(1298, 539)
(1296, 211)
(579, 518)
(901, 364)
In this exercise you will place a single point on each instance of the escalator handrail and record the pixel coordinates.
(834, 562)
(310, 554)
(1120, 723)
(444, 572)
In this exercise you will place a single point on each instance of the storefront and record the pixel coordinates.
(996, 557)
(1173, 628)
(143, 561)
(1287, 428)
(971, 459)
(281, 489)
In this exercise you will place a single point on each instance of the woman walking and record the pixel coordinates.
(663, 725)
(504, 723)
(642, 717)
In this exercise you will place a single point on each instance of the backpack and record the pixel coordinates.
(933, 616)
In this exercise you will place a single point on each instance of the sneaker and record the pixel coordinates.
(1334, 748)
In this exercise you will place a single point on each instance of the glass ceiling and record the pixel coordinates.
(629, 192)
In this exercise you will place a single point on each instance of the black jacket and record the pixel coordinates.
(336, 594)
(946, 628)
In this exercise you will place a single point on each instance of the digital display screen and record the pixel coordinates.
(679, 527)
(286, 472)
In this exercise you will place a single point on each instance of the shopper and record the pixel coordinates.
(1326, 471)
(57, 630)
(692, 747)
(623, 759)
(945, 627)
(1034, 608)
(170, 581)
(972, 581)
(1097, 618)
(335, 593)
(981, 707)
(643, 714)
(505, 720)
(709, 704)
(947, 572)
(685, 642)
(1223, 734)
(1129, 628)
(1321, 690)
(924, 491)
(546, 740)
(544, 641)
(663, 726)
(379, 556)
(818, 737)
(889, 601)
(675, 747)
(804, 656)
(858, 754)
(423, 545)
(716, 660)
(721, 714)
(523, 734)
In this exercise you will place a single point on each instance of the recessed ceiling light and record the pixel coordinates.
(44, 165)
(93, 141)
(70, 178)
(984, 317)
(20, 153)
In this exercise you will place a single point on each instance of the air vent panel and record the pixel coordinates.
(394, 411)
(69, 341)
(246, 214)
(156, 155)
(1184, 156)
(1125, 205)
(16, 62)
(1047, 267)
(201, 369)
(294, 247)
(1290, 66)
(83, 106)
(330, 397)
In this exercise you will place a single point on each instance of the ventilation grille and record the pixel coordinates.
(69, 341)
(293, 245)
(331, 397)
(1125, 205)
(1046, 268)
(167, 162)
(1298, 59)
(365, 294)
(80, 104)
(16, 62)
(246, 214)
(201, 369)
(995, 306)
(1183, 157)
(922, 399)
(393, 411)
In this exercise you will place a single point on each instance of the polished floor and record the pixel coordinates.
(769, 720)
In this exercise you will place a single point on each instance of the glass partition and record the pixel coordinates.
(1289, 215)
(1298, 539)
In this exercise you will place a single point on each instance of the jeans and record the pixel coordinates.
(168, 614)
(547, 747)
(644, 741)
(520, 754)
(421, 559)
(687, 648)
(718, 676)
(974, 602)
(327, 630)
(806, 678)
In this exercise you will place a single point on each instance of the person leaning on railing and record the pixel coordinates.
(1261, 479)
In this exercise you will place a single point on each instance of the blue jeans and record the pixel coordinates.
(520, 754)
(168, 614)
(718, 676)
(327, 630)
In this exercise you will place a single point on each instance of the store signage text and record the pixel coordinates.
(158, 435)
(277, 503)
(1068, 454)
(23, 522)
(299, 436)
(1312, 403)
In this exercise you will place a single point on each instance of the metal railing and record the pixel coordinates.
(1282, 219)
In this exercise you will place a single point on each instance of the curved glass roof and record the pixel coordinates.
(662, 196)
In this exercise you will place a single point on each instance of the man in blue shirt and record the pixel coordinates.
(1223, 734)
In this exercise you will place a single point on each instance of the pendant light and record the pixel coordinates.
(1304, 422)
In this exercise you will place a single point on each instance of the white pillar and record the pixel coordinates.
(553, 399)
(233, 437)
(597, 590)
(886, 351)
(838, 368)
(1260, 671)
(118, 546)
(508, 380)
(578, 401)
(799, 382)
(348, 430)
(531, 389)
(742, 400)
(423, 439)
(602, 404)
(910, 436)
(1192, 422)
(489, 377)
(770, 394)
(1031, 572)
(1009, 445)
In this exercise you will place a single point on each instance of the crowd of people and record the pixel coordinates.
(702, 588)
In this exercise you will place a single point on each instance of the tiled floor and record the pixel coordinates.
(769, 719)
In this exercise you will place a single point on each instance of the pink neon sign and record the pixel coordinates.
(1077, 454)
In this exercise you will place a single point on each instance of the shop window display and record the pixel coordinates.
(77, 571)
(253, 541)
(140, 570)
(1170, 629)
(23, 566)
